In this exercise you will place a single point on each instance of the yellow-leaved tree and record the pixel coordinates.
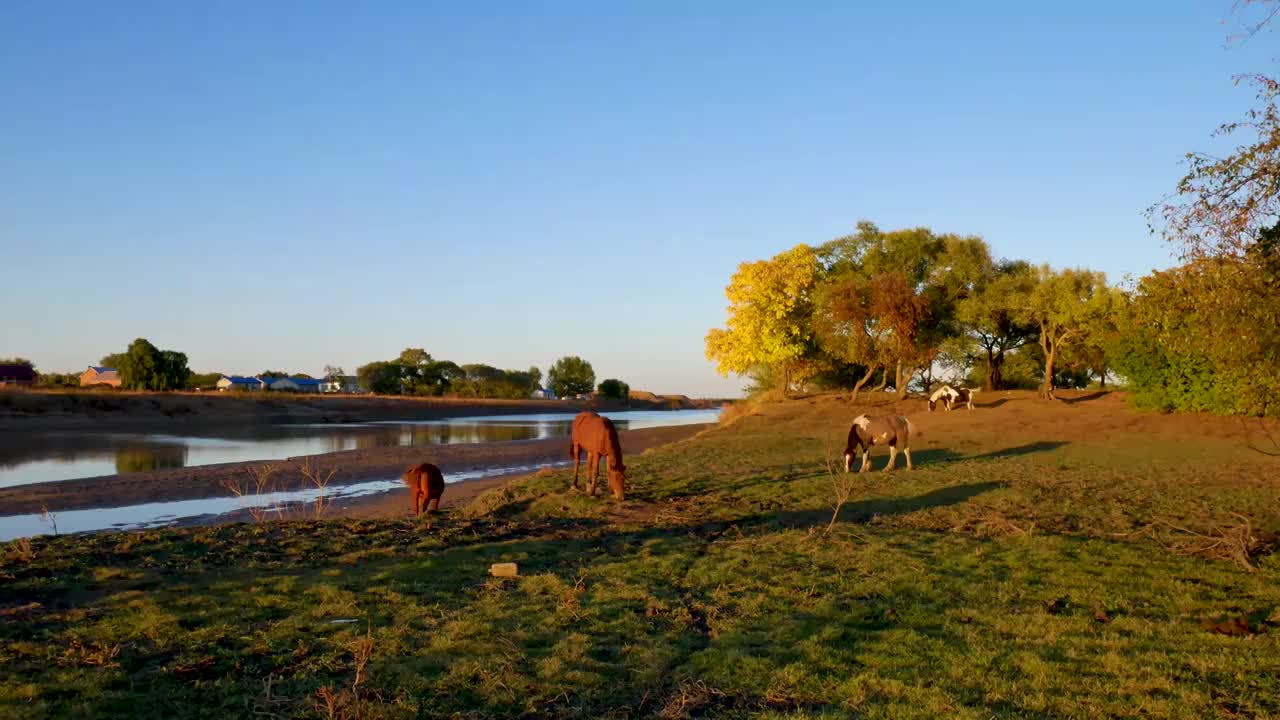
(770, 316)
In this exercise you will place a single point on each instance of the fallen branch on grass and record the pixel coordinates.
(1236, 543)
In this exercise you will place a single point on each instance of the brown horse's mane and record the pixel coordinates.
(611, 440)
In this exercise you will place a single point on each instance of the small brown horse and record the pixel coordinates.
(426, 485)
(892, 430)
(599, 438)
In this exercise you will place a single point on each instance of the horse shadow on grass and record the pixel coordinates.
(1039, 446)
(919, 458)
(1085, 398)
(861, 511)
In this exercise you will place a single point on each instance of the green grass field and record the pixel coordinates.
(1071, 560)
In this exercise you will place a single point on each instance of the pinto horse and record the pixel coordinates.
(892, 430)
(426, 485)
(949, 396)
(598, 437)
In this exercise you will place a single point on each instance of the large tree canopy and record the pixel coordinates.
(145, 367)
(571, 376)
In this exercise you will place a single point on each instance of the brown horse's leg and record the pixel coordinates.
(593, 470)
(893, 456)
(417, 501)
(907, 451)
(577, 463)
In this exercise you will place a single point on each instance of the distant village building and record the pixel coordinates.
(237, 382)
(100, 376)
(340, 384)
(17, 375)
(543, 394)
(297, 384)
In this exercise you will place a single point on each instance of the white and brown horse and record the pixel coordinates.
(949, 396)
(892, 430)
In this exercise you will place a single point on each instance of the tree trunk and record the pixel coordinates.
(871, 371)
(1102, 378)
(884, 380)
(786, 381)
(900, 383)
(995, 362)
(1046, 389)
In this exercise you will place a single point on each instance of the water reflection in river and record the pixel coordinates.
(43, 457)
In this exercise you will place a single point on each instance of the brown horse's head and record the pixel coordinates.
(618, 481)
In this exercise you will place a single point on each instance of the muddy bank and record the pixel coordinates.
(351, 466)
(177, 413)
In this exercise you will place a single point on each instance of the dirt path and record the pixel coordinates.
(352, 466)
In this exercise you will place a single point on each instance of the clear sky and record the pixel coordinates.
(288, 184)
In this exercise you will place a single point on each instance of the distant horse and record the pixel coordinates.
(892, 430)
(949, 396)
(598, 437)
(945, 394)
(426, 485)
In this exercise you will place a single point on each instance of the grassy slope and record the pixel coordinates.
(1003, 578)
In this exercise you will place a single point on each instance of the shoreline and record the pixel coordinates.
(352, 466)
(36, 411)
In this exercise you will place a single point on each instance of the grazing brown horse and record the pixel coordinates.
(599, 438)
(892, 430)
(426, 485)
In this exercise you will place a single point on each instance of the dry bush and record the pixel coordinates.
(21, 550)
(347, 703)
(259, 483)
(319, 479)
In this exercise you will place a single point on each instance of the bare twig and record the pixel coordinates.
(841, 483)
(320, 480)
(1271, 439)
(49, 518)
(259, 484)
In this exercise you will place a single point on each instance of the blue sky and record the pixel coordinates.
(290, 184)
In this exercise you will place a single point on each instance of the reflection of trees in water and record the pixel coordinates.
(141, 458)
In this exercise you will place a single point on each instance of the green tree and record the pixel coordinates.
(113, 360)
(17, 361)
(143, 366)
(925, 276)
(1179, 352)
(273, 374)
(571, 375)
(414, 363)
(770, 316)
(614, 389)
(1064, 306)
(992, 316)
(202, 380)
(380, 377)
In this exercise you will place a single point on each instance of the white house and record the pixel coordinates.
(340, 384)
(237, 382)
(543, 394)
